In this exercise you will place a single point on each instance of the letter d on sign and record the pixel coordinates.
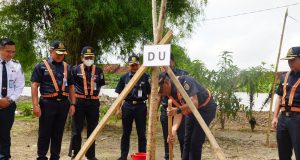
(157, 55)
(151, 56)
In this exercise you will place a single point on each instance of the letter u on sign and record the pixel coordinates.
(157, 55)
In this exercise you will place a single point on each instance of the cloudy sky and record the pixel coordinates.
(252, 38)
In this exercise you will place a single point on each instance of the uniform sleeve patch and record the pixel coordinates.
(186, 86)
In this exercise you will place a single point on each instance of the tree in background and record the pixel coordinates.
(225, 84)
(196, 68)
(254, 80)
(110, 26)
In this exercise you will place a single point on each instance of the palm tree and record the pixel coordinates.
(252, 81)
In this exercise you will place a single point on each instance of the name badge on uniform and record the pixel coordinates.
(65, 82)
(95, 86)
(101, 76)
(140, 93)
(11, 83)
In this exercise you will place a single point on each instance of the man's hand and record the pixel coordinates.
(119, 113)
(72, 110)
(4, 102)
(172, 138)
(37, 110)
(275, 122)
(171, 112)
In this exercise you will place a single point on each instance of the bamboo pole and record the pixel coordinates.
(216, 148)
(275, 80)
(170, 123)
(154, 21)
(157, 35)
(162, 17)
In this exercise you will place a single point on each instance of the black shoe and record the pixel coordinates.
(122, 158)
(94, 158)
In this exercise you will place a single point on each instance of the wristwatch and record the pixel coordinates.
(10, 101)
(178, 111)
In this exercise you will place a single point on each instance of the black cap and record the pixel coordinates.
(292, 53)
(59, 47)
(133, 59)
(87, 51)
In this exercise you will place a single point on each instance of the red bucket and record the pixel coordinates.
(138, 156)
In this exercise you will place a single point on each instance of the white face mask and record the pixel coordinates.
(88, 62)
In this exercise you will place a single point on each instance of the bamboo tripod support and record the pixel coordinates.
(116, 103)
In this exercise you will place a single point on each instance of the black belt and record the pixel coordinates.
(135, 102)
(290, 114)
(59, 99)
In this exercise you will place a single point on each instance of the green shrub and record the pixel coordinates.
(112, 120)
(25, 109)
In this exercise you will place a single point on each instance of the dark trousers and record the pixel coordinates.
(194, 135)
(164, 125)
(288, 136)
(86, 109)
(7, 116)
(137, 113)
(51, 127)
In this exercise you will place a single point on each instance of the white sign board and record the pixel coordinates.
(157, 55)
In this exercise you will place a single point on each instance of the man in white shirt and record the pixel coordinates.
(12, 83)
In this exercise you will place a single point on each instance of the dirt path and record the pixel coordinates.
(237, 142)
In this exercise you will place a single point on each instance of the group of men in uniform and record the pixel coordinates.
(64, 90)
(74, 90)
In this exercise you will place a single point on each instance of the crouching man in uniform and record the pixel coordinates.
(202, 99)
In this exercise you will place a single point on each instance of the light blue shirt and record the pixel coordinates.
(15, 79)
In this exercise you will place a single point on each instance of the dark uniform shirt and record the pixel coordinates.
(41, 75)
(164, 100)
(290, 82)
(78, 79)
(139, 92)
(192, 87)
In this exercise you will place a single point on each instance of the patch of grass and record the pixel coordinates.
(25, 109)
(113, 120)
(24, 118)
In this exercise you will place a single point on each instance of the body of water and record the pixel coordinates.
(259, 98)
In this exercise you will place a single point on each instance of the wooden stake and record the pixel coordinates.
(216, 148)
(275, 80)
(170, 123)
(153, 118)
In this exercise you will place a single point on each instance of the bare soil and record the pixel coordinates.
(237, 141)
